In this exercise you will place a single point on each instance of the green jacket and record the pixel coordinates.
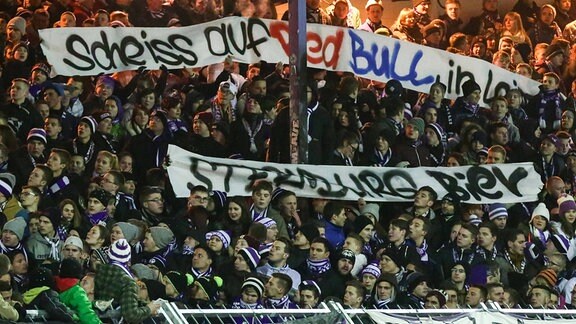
(74, 296)
(112, 282)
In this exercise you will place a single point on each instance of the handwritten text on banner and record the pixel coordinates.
(90, 51)
(504, 183)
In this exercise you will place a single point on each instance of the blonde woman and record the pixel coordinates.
(514, 29)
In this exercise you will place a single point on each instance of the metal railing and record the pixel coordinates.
(333, 313)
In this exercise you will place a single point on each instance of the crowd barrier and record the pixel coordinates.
(333, 313)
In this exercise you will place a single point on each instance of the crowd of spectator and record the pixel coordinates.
(92, 229)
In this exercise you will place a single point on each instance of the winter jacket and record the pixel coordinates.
(7, 311)
(40, 249)
(74, 296)
(47, 299)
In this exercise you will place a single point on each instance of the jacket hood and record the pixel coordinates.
(63, 284)
(31, 294)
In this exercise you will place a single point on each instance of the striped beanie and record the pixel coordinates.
(561, 243)
(437, 128)
(372, 269)
(222, 235)
(120, 251)
(7, 181)
(565, 203)
(549, 275)
(38, 134)
(497, 210)
(254, 282)
(267, 221)
(91, 122)
(475, 220)
(251, 256)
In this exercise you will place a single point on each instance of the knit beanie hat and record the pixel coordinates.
(161, 114)
(91, 122)
(74, 241)
(162, 236)
(256, 283)
(17, 226)
(388, 277)
(41, 277)
(101, 115)
(38, 134)
(224, 236)
(18, 23)
(561, 243)
(541, 210)
(393, 87)
(142, 271)
(101, 195)
(42, 67)
(361, 222)
(211, 286)
(417, 123)
(549, 275)
(414, 279)
(474, 220)
(7, 182)
(180, 281)
(395, 257)
(54, 216)
(206, 117)
(267, 221)
(497, 210)
(310, 284)
(120, 252)
(470, 86)
(251, 256)
(439, 131)
(156, 289)
(373, 269)
(130, 231)
(439, 295)
(348, 255)
(70, 268)
(310, 231)
(565, 203)
(372, 209)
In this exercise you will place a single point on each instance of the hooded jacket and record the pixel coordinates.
(47, 299)
(74, 296)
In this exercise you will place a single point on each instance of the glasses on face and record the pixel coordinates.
(200, 198)
(156, 200)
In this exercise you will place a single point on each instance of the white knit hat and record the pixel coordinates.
(541, 210)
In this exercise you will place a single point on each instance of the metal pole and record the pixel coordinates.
(298, 60)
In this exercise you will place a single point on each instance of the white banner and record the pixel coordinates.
(94, 50)
(504, 183)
